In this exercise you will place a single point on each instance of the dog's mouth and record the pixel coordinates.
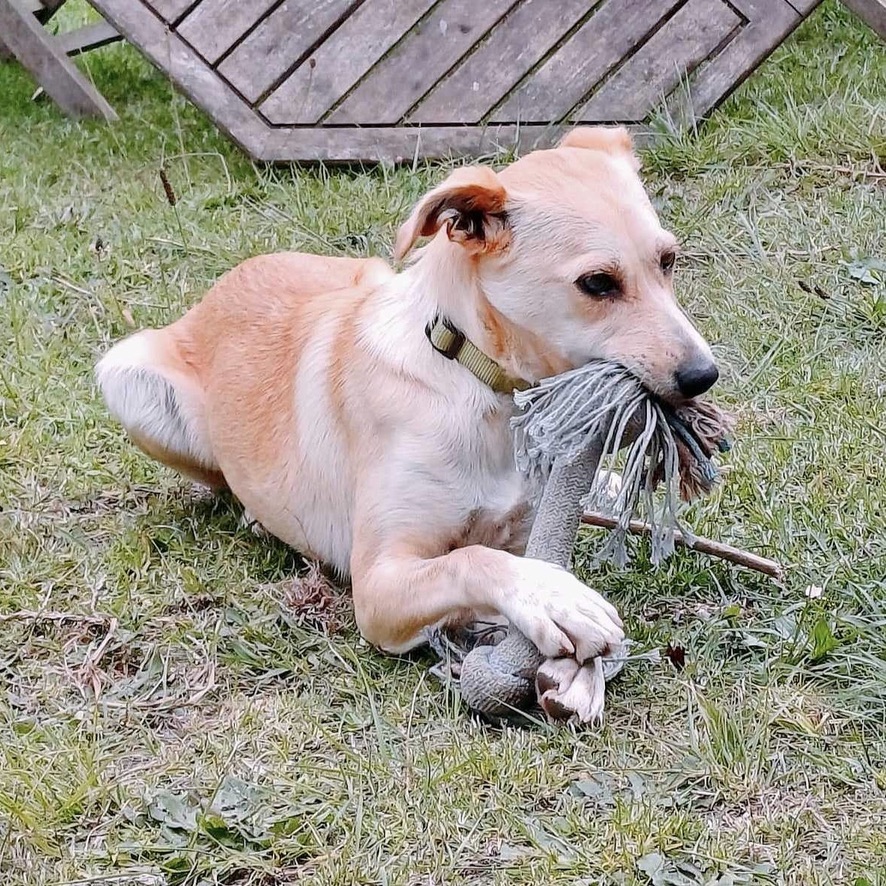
(665, 395)
(701, 430)
(697, 422)
(700, 427)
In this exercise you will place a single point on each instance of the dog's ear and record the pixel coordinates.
(470, 203)
(615, 140)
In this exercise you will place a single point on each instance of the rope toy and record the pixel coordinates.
(570, 426)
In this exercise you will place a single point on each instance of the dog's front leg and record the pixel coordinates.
(398, 592)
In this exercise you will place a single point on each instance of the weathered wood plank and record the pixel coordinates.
(216, 25)
(31, 6)
(754, 11)
(768, 25)
(593, 50)
(872, 12)
(694, 33)
(804, 7)
(395, 144)
(279, 42)
(354, 47)
(425, 55)
(39, 52)
(88, 37)
(401, 143)
(517, 43)
(188, 71)
(170, 10)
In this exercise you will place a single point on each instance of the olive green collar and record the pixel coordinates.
(454, 345)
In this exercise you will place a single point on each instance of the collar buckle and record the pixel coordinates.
(445, 338)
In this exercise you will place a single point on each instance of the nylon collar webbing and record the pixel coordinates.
(453, 345)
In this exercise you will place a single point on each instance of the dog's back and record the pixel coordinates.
(157, 381)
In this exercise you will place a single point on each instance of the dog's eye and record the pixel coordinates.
(667, 261)
(598, 285)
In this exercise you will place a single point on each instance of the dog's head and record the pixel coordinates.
(566, 248)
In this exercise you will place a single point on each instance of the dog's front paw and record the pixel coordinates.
(561, 615)
(568, 691)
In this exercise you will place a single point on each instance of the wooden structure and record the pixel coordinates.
(22, 34)
(389, 79)
(350, 80)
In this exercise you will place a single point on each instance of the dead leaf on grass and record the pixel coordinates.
(316, 602)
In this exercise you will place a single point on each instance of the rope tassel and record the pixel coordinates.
(665, 448)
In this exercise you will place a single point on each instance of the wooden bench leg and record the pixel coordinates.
(38, 51)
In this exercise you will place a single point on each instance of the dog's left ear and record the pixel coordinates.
(470, 203)
(615, 140)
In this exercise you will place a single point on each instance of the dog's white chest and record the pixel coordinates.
(499, 514)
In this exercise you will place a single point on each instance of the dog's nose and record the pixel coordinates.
(696, 378)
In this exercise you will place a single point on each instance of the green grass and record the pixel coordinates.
(182, 725)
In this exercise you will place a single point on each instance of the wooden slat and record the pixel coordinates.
(279, 42)
(42, 55)
(169, 10)
(769, 23)
(592, 51)
(398, 144)
(872, 12)
(306, 95)
(755, 11)
(216, 25)
(187, 70)
(681, 45)
(515, 45)
(402, 143)
(30, 6)
(88, 37)
(425, 55)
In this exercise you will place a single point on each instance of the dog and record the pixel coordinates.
(362, 415)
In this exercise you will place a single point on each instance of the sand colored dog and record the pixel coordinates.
(361, 415)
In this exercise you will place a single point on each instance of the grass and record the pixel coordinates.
(177, 722)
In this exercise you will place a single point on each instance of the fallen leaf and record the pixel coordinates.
(599, 786)
(175, 811)
(823, 640)
(651, 864)
(509, 853)
(870, 271)
(551, 843)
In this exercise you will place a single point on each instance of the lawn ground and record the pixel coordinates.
(150, 662)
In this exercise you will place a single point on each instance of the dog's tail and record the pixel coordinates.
(155, 393)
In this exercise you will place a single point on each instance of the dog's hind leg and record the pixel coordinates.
(154, 392)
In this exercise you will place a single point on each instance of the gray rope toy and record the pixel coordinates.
(570, 426)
